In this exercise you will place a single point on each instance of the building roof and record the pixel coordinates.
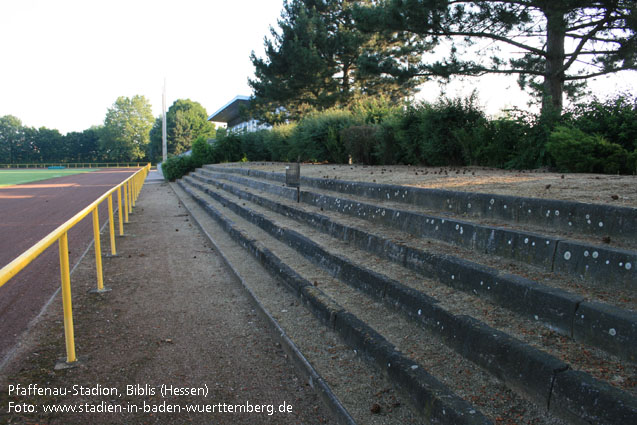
(230, 112)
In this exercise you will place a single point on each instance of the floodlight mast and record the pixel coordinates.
(164, 146)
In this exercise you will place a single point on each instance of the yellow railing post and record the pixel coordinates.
(125, 185)
(133, 191)
(130, 197)
(119, 211)
(66, 298)
(111, 225)
(98, 249)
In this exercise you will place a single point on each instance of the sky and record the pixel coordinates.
(65, 62)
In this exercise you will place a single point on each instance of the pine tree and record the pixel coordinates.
(554, 46)
(312, 62)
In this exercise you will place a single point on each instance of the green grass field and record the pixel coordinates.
(11, 177)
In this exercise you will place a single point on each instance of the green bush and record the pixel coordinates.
(361, 141)
(317, 136)
(176, 166)
(407, 138)
(615, 119)
(631, 164)
(374, 110)
(575, 151)
(444, 133)
(386, 150)
(530, 148)
(278, 142)
(227, 148)
(254, 147)
(497, 144)
(452, 127)
(593, 137)
(202, 152)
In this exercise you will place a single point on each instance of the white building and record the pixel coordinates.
(230, 114)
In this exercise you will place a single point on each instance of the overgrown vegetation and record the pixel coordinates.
(598, 136)
(574, 150)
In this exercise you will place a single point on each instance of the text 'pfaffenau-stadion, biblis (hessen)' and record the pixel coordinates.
(165, 390)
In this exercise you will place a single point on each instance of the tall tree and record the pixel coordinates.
(20, 144)
(126, 129)
(312, 61)
(154, 148)
(46, 145)
(11, 139)
(554, 45)
(84, 146)
(185, 121)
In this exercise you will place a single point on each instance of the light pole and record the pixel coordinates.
(164, 146)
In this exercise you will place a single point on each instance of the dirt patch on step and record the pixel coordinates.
(593, 188)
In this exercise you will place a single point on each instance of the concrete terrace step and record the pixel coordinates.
(594, 263)
(593, 219)
(571, 394)
(335, 364)
(432, 399)
(566, 312)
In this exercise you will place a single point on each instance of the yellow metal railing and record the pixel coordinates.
(131, 188)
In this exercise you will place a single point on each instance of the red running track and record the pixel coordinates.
(28, 213)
